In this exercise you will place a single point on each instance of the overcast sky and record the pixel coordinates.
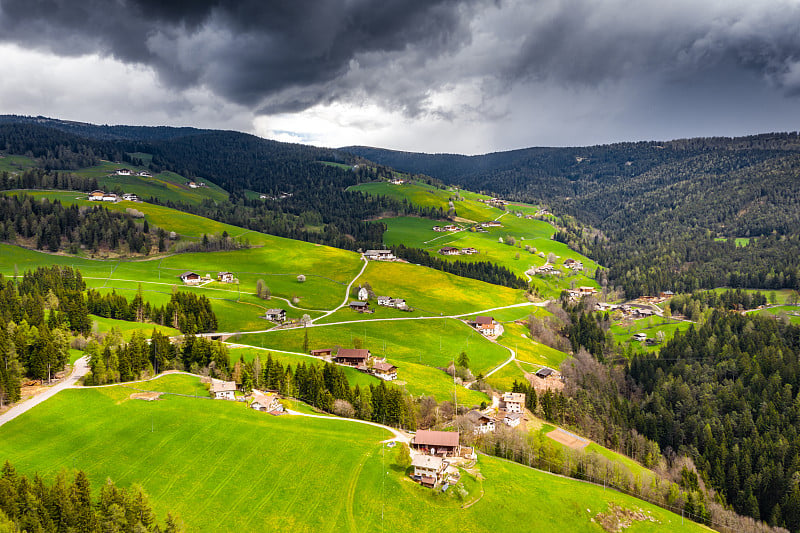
(469, 76)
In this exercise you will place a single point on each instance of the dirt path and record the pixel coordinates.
(79, 369)
(399, 436)
(347, 292)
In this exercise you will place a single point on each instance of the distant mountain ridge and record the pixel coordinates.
(661, 208)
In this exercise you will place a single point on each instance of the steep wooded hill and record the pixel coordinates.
(663, 209)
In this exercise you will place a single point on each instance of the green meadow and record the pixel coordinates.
(434, 292)
(650, 326)
(433, 342)
(163, 185)
(221, 467)
(104, 325)
(14, 164)
(425, 195)
(792, 312)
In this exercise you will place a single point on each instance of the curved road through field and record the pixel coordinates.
(347, 292)
(79, 369)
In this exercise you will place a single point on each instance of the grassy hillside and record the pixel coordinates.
(166, 186)
(243, 467)
(519, 245)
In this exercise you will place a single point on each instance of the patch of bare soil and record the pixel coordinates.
(149, 396)
(568, 439)
(552, 383)
(618, 518)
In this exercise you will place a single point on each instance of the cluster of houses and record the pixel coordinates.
(573, 264)
(129, 172)
(489, 224)
(547, 269)
(662, 297)
(275, 315)
(487, 326)
(268, 402)
(434, 451)
(511, 412)
(494, 202)
(449, 227)
(360, 359)
(195, 184)
(397, 181)
(380, 255)
(580, 292)
(451, 250)
(193, 278)
(280, 196)
(102, 196)
(384, 301)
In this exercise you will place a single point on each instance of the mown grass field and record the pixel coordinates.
(221, 467)
(650, 326)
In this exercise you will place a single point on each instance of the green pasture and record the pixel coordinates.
(791, 311)
(14, 164)
(434, 292)
(222, 467)
(104, 325)
(174, 383)
(517, 337)
(418, 233)
(623, 332)
(504, 378)
(424, 195)
(781, 296)
(434, 342)
(354, 377)
(740, 241)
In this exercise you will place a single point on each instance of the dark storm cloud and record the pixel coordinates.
(246, 50)
(586, 43)
(286, 56)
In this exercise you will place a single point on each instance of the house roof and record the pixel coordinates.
(544, 372)
(223, 273)
(476, 417)
(514, 397)
(274, 311)
(512, 416)
(384, 367)
(359, 304)
(188, 274)
(426, 437)
(377, 252)
(484, 320)
(427, 461)
(353, 353)
(223, 386)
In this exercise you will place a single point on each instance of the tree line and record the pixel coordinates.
(115, 361)
(52, 226)
(480, 270)
(186, 311)
(67, 504)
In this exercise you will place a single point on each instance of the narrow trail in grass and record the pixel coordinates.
(510, 359)
(347, 292)
(395, 319)
(399, 436)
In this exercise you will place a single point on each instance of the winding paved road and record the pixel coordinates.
(79, 370)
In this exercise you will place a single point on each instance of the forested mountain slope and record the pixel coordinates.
(659, 206)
